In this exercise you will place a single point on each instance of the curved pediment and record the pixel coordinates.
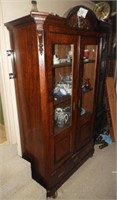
(82, 17)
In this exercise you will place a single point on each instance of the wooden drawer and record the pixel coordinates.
(61, 173)
(70, 166)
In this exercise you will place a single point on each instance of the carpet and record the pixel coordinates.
(95, 179)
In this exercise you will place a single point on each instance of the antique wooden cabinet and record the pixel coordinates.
(55, 68)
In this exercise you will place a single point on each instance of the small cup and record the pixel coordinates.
(86, 53)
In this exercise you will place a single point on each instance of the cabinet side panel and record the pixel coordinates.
(24, 41)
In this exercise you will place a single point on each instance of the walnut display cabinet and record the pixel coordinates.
(55, 68)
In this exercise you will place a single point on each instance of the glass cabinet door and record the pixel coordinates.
(88, 79)
(62, 85)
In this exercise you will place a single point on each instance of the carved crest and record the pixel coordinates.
(89, 21)
(40, 36)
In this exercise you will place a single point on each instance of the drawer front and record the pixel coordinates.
(70, 166)
(60, 174)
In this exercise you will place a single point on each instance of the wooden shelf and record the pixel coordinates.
(88, 61)
(60, 129)
(87, 90)
(62, 100)
(85, 114)
(67, 64)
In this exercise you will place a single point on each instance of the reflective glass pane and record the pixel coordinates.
(62, 85)
(88, 79)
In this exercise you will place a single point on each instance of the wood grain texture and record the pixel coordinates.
(112, 104)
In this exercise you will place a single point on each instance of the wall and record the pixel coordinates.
(10, 10)
(1, 112)
(13, 9)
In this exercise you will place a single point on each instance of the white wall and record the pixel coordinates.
(13, 9)
(10, 10)
(7, 87)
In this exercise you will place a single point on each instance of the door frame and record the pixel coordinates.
(7, 88)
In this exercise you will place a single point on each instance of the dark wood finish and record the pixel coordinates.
(88, 23)
(55, 153)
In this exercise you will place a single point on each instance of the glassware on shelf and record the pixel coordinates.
(82, 111)
(86, 84)
(63, 87)
(70, 54)
(59, 91)
(56, 60)
(66, 79)
(62, 54)
(86, 54)
(62, 116)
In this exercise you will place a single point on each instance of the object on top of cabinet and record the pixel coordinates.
(82, 17)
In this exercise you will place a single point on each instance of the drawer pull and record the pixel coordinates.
(61, 174)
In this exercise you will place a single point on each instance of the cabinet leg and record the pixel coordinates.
(54, 196)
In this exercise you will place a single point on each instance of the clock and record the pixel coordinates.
(102, 10)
